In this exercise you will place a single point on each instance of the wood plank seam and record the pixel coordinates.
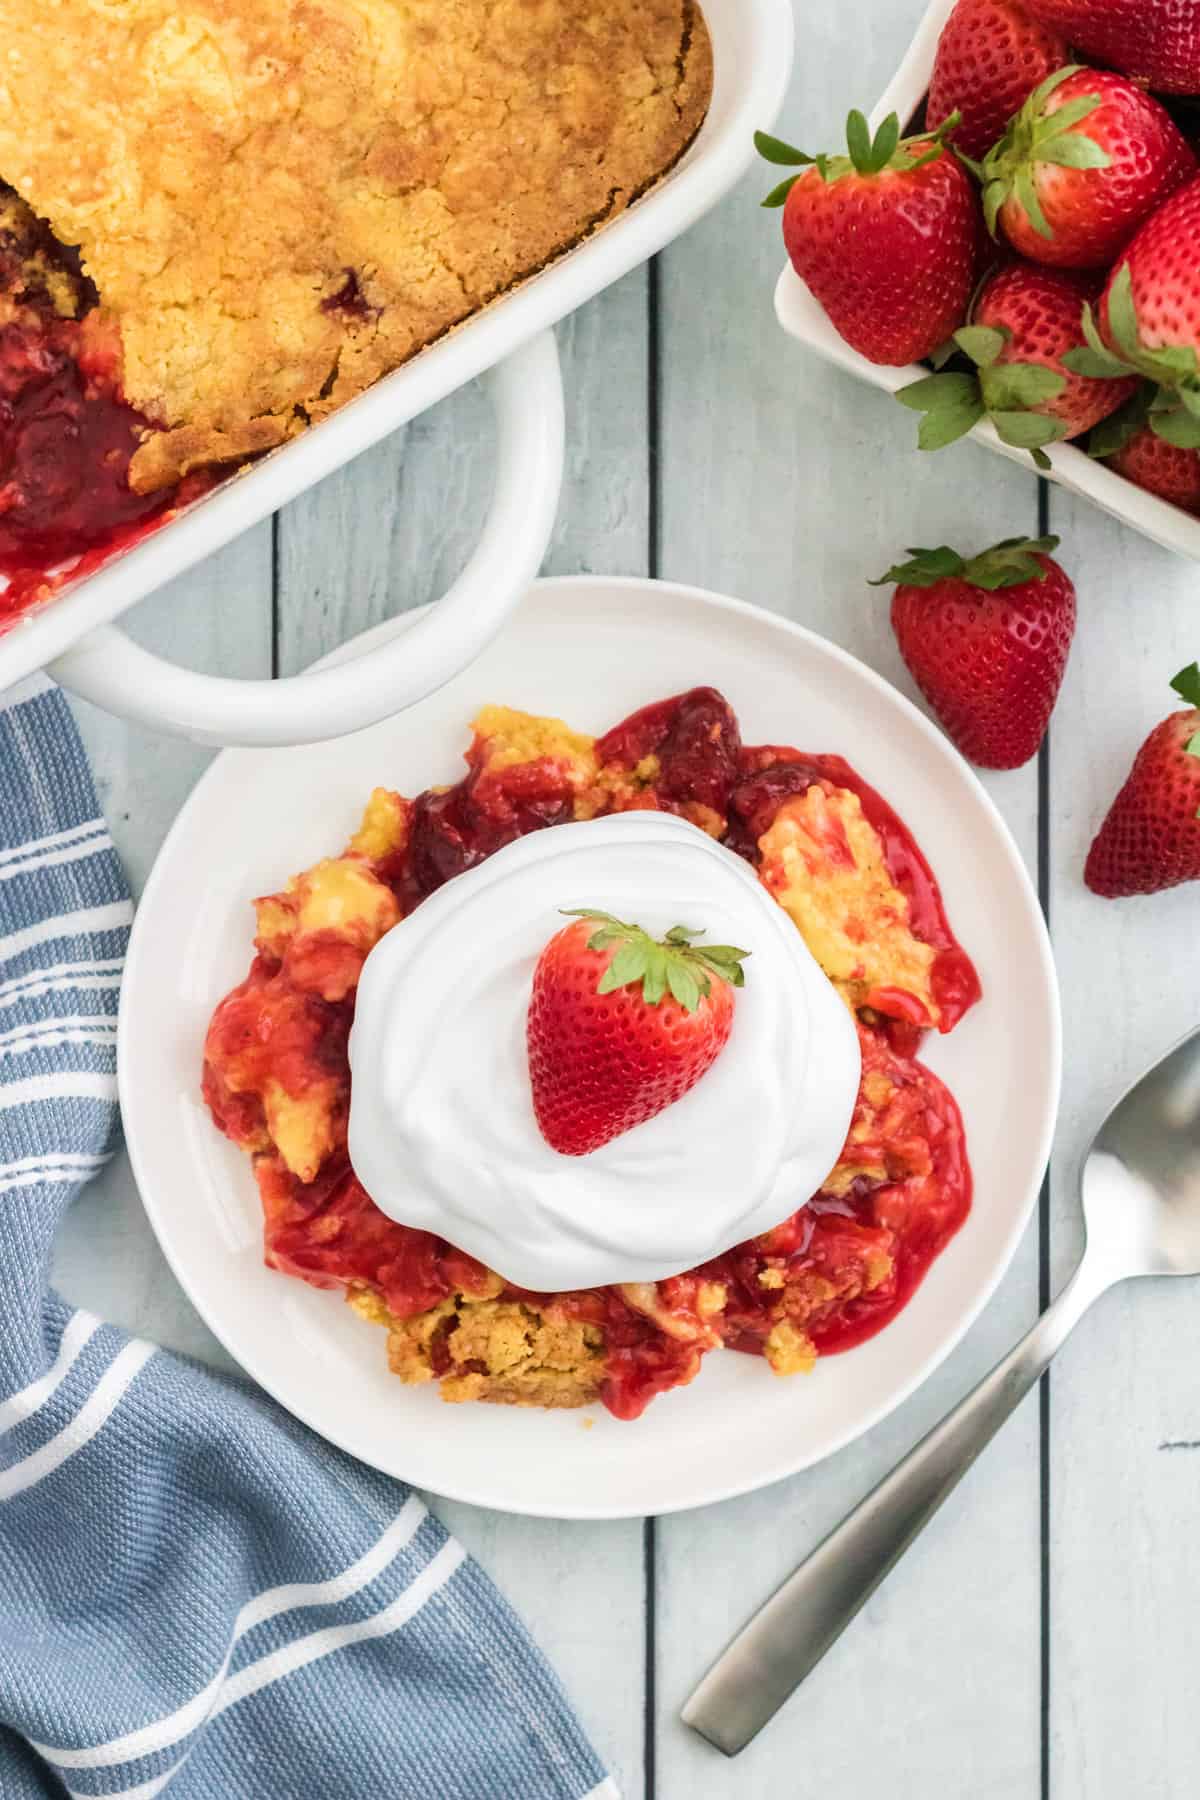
(1044, 852)
(653, 517)
(275, 583)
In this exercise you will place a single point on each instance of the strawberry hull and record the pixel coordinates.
(802, 317)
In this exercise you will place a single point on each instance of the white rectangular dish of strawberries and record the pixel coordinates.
(1040, 288)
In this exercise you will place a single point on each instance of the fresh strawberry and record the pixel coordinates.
(1151, 837)
(603, 1059)
(987, 642)
(1157, 42)
(1161, 468)
(1149, 318)
(1085, 160)
(1130, 443)
(885, 237)
(1163, 264)
(1025, 322)
(990, 57)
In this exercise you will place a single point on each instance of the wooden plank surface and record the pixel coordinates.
(1124, 1469)
(785, 483)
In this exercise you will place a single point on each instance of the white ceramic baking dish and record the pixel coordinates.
(803, 318)
(73, 637)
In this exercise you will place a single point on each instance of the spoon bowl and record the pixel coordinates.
(1141, 1178)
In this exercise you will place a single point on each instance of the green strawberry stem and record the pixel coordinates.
(1035, 136)
(1112, 434)
(1007, 393)
(1173, 410)
(868, 155)
(673, 963)
(1009, 563)
(1187, 686)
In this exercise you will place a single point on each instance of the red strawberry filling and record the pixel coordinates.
(66, 434)
(696, 743)
(770, 775)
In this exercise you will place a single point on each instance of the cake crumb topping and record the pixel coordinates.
(280, 200)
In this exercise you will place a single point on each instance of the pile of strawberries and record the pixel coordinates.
(1038, 242)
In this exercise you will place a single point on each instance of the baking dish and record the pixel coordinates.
(74, 636)
(802, 317)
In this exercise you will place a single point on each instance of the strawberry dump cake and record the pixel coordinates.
(268, 204)
(547, 1313)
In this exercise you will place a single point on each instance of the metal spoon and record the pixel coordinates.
(1140, 1186)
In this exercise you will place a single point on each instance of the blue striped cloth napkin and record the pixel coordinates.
(196, 1594)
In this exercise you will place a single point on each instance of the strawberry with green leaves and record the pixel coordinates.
(1149, 319)
(1130, 443)
(990, 57)
(621, 1025)
(1087, 158)
(1150, 839)
(885, 237)
(1025, 324)
(986, 639)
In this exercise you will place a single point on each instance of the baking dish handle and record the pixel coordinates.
(108, 668)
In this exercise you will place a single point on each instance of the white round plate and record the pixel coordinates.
(590, 649)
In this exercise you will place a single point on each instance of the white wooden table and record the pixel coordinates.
(1042, 1639)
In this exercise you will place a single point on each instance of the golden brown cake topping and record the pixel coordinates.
(280, 200)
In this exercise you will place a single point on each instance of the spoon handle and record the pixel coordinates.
(771, 1655)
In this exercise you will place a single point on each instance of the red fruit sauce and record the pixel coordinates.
(773, 774)
(66, 434)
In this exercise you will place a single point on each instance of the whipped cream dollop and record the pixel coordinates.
(442, 1131)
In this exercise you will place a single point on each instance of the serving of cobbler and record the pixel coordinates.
(221, 223)
(849, 875)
